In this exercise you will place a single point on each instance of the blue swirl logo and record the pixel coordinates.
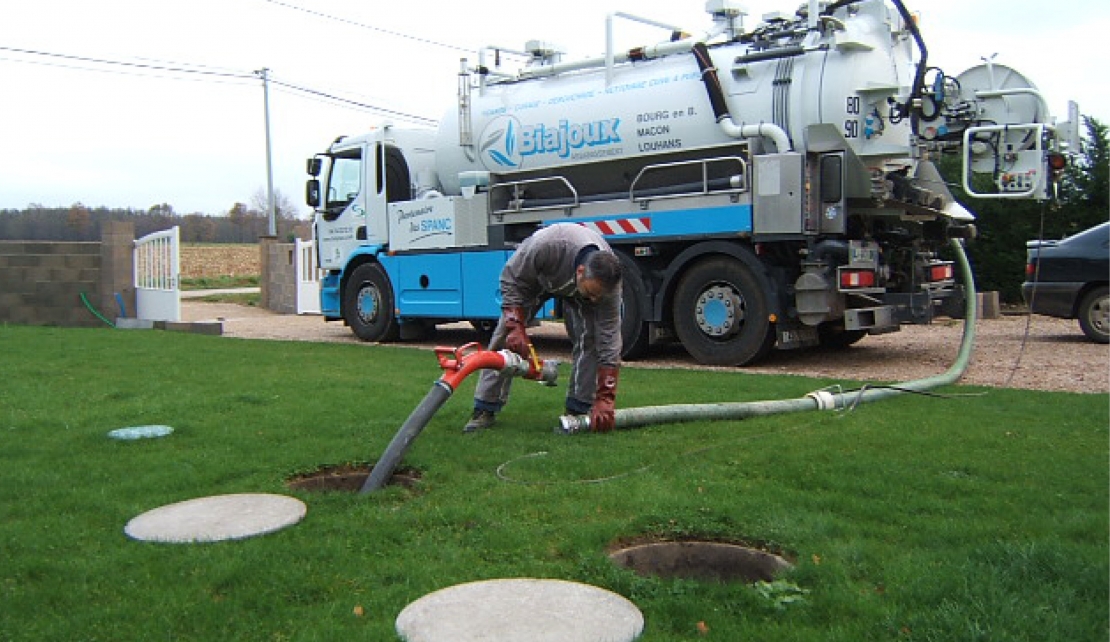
(499, 148)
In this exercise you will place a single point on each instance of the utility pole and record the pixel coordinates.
(264, 74)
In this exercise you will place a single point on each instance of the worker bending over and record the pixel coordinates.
(575, 264)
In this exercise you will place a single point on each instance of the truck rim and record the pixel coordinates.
(720, 313)
(369, 303)
(719, 310)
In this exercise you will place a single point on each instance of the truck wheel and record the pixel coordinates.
(634, 332)
(721, 315)
(368, 304)
(1094, 315)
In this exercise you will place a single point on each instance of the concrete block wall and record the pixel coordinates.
(278, 283)
(41, 283)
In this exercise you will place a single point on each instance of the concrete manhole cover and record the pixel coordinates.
(701, 561)
(217, 518)
(521, 610)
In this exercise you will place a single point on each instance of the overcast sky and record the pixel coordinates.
(148, 132)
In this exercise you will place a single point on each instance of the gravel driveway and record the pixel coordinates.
(1036, 353)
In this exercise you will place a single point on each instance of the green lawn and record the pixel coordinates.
(968, 517)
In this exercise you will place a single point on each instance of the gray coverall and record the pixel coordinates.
(544, 266)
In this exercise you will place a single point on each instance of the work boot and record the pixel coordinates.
(479, 420)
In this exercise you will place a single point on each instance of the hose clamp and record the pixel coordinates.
(825, 399)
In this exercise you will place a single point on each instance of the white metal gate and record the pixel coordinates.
(158, 275)
(308, 277)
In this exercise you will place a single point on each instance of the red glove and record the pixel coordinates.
(602, 418)
(516, 339)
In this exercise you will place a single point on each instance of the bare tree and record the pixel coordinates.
(283, 207)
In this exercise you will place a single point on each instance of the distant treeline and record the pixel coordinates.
(241, 224)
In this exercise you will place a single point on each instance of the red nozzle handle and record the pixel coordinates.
(445, 353)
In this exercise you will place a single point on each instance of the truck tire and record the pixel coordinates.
(1094, 315)
(368, 304)
(634, 332)
(721, 313)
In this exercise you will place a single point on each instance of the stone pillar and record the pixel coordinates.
(117, 272)
(265, 253)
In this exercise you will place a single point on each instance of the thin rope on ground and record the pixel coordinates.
(598, 480)
(1032, 298)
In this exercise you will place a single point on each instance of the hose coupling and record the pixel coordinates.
(515, 365)
(549, 373)
(825, 400)
(573, 424)
(545, 372)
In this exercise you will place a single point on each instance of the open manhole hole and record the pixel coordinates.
(700, 560)
(348, 478)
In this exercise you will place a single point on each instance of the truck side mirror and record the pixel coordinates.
(312, 193)
(313, 165)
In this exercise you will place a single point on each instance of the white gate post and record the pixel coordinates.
(308, 277)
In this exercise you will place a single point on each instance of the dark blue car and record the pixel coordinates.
(1068, 279)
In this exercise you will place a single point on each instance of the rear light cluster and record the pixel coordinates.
(854, 279)
(941, 272)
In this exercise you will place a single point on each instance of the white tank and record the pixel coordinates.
(658, 110)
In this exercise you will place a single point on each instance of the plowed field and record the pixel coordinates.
(215, 260)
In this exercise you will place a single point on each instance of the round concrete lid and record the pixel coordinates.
(212, 519)
(140, 432)
(521, 610)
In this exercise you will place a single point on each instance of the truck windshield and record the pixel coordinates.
(344, 181)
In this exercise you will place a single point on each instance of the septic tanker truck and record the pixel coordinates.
(771, 188)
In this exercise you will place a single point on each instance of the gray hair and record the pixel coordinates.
(604, 267)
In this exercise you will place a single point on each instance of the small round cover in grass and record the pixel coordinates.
(217, 518)
(140, 432)
(521, 610)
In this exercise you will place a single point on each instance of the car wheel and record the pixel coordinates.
(1094, 315)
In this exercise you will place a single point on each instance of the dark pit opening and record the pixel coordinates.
(700, 560)
(348, 478)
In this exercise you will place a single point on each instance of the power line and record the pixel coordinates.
(123, 63)
(397, 34)
(205, 73)
(134, 74)
(349, 104)
(355, 103)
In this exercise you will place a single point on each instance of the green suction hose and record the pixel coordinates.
(818, 400)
